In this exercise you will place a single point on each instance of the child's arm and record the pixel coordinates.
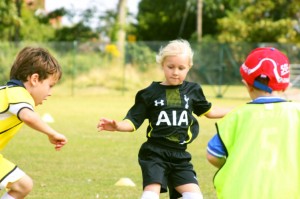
(112, 125)
(32, 119)
(216, 161)
(217, 112)
(216, 153)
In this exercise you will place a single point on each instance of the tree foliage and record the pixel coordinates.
(32, 30)
(223, 20)
(161, 20)
(166, 20)
(17, 22)
(261, 21)
(8, 19)
(212, 11)
(108, 26)
(78, 31)
(157, 20)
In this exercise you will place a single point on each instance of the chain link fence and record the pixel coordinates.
(214, 63)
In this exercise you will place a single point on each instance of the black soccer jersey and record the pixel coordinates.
(169, 110)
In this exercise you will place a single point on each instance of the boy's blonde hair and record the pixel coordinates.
(174, 48)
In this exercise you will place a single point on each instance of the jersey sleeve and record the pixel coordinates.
(16, 108)
(200, 104)
(13, 99)
(138, 112)
(216, 148)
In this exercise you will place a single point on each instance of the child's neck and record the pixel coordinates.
(258, 93)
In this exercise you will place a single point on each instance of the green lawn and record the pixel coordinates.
(92, 162)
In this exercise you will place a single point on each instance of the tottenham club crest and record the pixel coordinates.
(186, 99)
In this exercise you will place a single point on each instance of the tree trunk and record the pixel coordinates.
(199, 20)
(17, 27)
(121, 26)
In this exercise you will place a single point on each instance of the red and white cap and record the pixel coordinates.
(266, 62)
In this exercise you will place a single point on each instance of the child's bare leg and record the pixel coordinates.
(151, 191)
(190, 191)
(21, 188)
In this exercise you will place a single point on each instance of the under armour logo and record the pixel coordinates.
(186, 99)
(161, 102)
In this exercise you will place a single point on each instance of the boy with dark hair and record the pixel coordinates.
(32, 76)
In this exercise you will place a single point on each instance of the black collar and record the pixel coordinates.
(14, 82)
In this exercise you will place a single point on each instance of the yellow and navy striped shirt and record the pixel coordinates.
(13, 98)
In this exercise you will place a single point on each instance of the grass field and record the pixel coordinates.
(92, 162)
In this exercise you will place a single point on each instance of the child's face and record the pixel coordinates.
(175, 69)
(42, 89)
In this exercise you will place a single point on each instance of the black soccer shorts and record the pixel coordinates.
(165, 166)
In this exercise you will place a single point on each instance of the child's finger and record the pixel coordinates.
(59, 145)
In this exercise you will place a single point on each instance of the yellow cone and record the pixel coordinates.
(125, 182)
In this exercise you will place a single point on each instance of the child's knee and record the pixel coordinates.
(22, 187)
(26, 184)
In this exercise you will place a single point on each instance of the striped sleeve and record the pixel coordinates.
(216, 148)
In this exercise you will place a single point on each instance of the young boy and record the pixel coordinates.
(257, 147)
(169, 106)
(32, 76)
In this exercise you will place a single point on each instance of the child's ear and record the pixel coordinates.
(249, 88)
(244, 82)
(33, 79)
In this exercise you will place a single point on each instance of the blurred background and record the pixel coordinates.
(111, 44)
(107, 52)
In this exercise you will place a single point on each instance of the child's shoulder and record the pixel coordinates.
(191, 86)
(152, 87)
(18, 94)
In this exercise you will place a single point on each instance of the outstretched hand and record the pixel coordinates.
(58, 140)
(106, 124)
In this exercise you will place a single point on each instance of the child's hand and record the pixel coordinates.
(58, 140)
(106, 124)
